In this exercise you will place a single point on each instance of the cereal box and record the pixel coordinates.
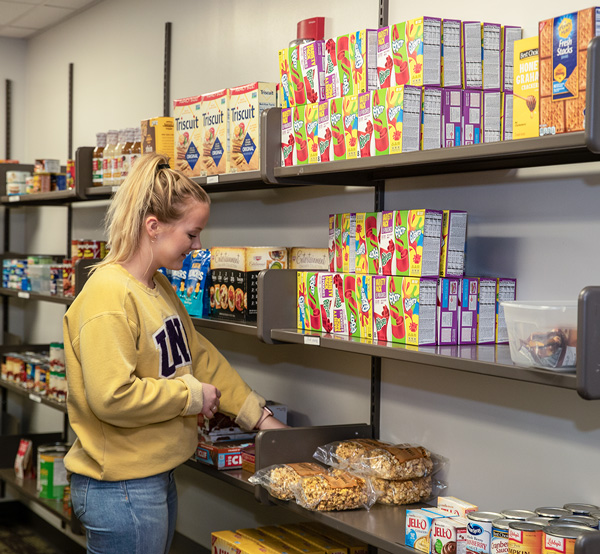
(314, 303)
(215, 146)
(424, 45)
(336, 124)
(454, 242)
(309, 258)
(333, 88)
(339, 242)
(491, 42)
(506, 289)
(311, 118)
(352, 305)
(366, 144)
(418, 528)
(340, 317)
(246, 104)
(451, 117)
(158, 135)
(286, 94)
(348, 243)
(302, 311)
(526, 88)
(312, 64)
(399, 54)
(431, 119)
(451, 56)
(296, 83)
(364, 289)
(380, 122)
(187, 113)
(419, 299)
(510, 34)
(387, 243)
(411, 118)
(364, 70)
(368, 228)
(325, 284)
(486, 311)
(381, 309)
(467, 331)
(455, 506)
(490, 116)
(472, 116)
(471, 55)
(506, 116)
(448, 294)
(345, 56)
(385, 62)
(394, 102)
(287, 137)
(394, 243)
(350, 114)
(324, 130)
(301, 155)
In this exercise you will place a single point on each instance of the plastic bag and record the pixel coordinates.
(279, 479)
(407, 492)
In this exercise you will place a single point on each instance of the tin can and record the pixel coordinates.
(520, 515)
(581, 509)
(542, 520)
(499, 544)
(479, 531)
(525, 537)
(588, 521)
(560, 539)
(52, 475)
(552, 512)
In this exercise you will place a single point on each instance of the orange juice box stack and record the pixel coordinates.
(246, 105)
(526, 88)
(510, 34)
(424, 48)
(380, 122)
(350, 116)
(364, 289)
(336, 124)
(324, 130)
(368, 229)
(189, 131)
(312, 64)
(215, 147)
(345, 57)
(158, 135)
(299, 123)
(385, 59)
(451, 58)
(365, 60)
(287, 137)
(311, 118)
(285, 89)
(419, 299)
(366, 142)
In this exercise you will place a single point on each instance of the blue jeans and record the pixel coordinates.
(136, 516)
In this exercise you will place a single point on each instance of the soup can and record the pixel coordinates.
(581, 509)
(525, 537)
(51, 472)
(521, 515)
(561, 539)
(552, 512)
(588, 521)
(479, 531)
(499, 543)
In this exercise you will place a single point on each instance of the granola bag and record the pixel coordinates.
(279, 479)
(412, 491)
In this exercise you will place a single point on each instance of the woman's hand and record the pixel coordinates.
(210, 397)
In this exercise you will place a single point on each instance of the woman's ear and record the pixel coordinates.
(152, 226)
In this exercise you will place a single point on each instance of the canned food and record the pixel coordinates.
(588, 521)
(499, 544)
(581, 509)
(542, 520)
(524, 537)
(560, 539)
(521, 515)
(551, 512)
(479, 531)
(52, 475)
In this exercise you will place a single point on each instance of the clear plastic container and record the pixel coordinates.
(542, 333)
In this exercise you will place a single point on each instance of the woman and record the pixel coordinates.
(138, 372)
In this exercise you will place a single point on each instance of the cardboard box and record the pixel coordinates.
(350, 117)
(491, 42)
(289, 538)
(455, 506)
(467, 329)
(506, 289)
(312, 65)
(348, 242)
(297, 92)
(345, 56)
(449, 535)
(431, 126)
(366, 142)
(471, 55)
(380, 122)
(311, 118)
(506, 116)
(490, 116)
(418, 528)
(424, 43)
(411, 118)
(364, 69)
(288, 151)
(314, 302)
(302, 309)
(351, 302)
(354, 545)
(452, 110)
(221, 456)
(526, 88)
(339, 242)
(400, 54)
(158, 135)
(454, 242)
(189, 131)
(326, 545)
(331, 242)
(381, 310)
(385, 61)
(486, 311)
(325, 286)
(309, 258)
(394, 102)
(448, 306)
(301, 152)
(333, 88)
(419, 298)
(247, 103)
(229, 542)
(423, 236)
(364, 289)
(336, 124)
(451, 54)
(510, 34)
(286, 96)
(340, 317)
(472, 116)
(324, 130)
(215, 120)
(271, 543)
(368, 229)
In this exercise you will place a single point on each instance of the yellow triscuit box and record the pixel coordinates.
(229, 542)
(215, 123)
(189, 131)
(327, 545)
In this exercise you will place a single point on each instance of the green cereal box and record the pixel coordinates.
(350, 115)
(300, 136)
(364, 290)
(419, 301)
(351, 298)
(303, 319)
(336, 122)
(368, 228)
(345, 56)
(380, 122)
(314, 304)
(311, 117)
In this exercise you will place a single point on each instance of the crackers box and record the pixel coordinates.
(380, 122)
(385, 61)
(312, 65)
(467, 329)
(366, 143)
(399, 54)
(345, 56)
(158, 135)
(454, 242)
(215, 120)
(491, 41)
(424, 43)
(221, 455)
(526, 88)
(448, 294)
(324, 132)
(510, 34)
(311, 118)
(471, 120)
(490, 116)
(451, 54)
(368, 229)
(299, 123)
(189, 130)
(270, 542)
(286, 95)
(364, 70)
(506, 289)
(309, 258)
(471, 55)
(452, 100)
(336, 124)
(431, 126)
(506, 116)
(246, 104)
(350, 116)
(287, 137)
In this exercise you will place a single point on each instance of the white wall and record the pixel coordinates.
(539, 225)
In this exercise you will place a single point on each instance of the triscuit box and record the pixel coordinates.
(158, 135)
(189, 130)
(247, 103)
(309, 258)
(451, 55)
(424, 47)
(215, 120)
(526, 89)
(510, 34)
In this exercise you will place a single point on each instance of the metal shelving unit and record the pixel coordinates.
(34, 397)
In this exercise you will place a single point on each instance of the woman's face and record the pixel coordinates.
(175, 240)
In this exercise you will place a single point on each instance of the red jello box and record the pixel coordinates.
(368, 228)
(506, 289)
(336, 124)
(448, 295)
(449, 535)
(324, 127)
(419, 298)
(351, 299)
(287, 137)
(431, 120)
(340, 318)
(380, 122)
(467, 327)
(348, 243)
(471, 120)
(454, 241)
(364, 290)
(303, 314)
(366, 142)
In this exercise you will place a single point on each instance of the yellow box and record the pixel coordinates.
(189, 131)
(289, 538)
(271, 543)
(354, 545)
(328, 546)
(229, 542)
(158, 135)
(526, 88)
(215, 121)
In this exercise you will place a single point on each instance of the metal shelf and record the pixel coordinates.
(34, 397)
(58, 197)
(220, 325)
(31, 295)
(235, 477)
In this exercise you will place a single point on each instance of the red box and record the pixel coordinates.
(221, 456)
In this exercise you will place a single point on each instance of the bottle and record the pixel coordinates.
(136, 148)
(118, 158)
(107, 158)
(126, 156)
(97, 159)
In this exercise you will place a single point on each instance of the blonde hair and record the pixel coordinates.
(147, 190)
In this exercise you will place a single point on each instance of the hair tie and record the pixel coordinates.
(163, 166)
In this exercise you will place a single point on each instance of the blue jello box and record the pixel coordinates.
(418, 527)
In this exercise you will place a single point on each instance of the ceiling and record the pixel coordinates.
(26, 18)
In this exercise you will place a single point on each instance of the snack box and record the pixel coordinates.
(333, 87)
(325, 544)
(404, 118)
(290, 539)
(351, 303)
(288, 152)
(467, 327)
(418, 529)
(400, 54)
(302, 309)
(269, 541)
(526, 88)
(249, 459)
(340, 317)
(471, 55)
(324, 132)
(221, 456)
(506, 291)
(368, 229)
(326, 300)
(313, 301)
(158, 135)
(452, 100)
(563, 45)
(312, 65)
(296, 82)
(345, 56)
(229, 542)
(299, 124)
(385, 60)
(486, 311)
(286, 94)
(419, 298)
(348, 243)
(189, 130)
(354, 545)
(424, 40)
(490, 116)
(431, 119)
(491, 41)
(364, 69)
(380, 122)
(336, 124)
(331, 242)
(350, 118)
(455, 506)
(311, 118)
(388, 312)
(195, 295)
(448, 305)
(451, 54)
(471, 119)
(366, 142)
(506, 116)
(339, 242)
(454, 242)
(364, 289)
(510, 34)
(309, 258)
(215, 121)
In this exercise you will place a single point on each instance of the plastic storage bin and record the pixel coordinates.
(542, 334)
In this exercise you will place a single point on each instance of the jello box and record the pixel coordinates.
(324, 130)
(364, 70)
(215, 120)
(448, 535)
(418, 529)
(472, 116)
(451, 54)
(340, 316)
(364, 289)
(368, 228)
(448, 305)
(400, 54)
(311, 118)
(301, 156)
(471, 55)
(345, 56)
(287, 137)
(452, 117)
(333, 88)
(158, 135)
(431, 120)
(350, 116)
(246, 105)
(189, 131)
(419, 297)
(385, 60)
(526, 87)
(380, 122)
(467, 330)
(351, 299)
(490, 116)
(297, 91)
(506, 289)
(336, 124)
(454, 241)
(312, 64)
(286, 96)
(424, 45)
(510, 34)
(366, 141)
(302, 308)
(486, 311)
(348, 243)
(491, 41)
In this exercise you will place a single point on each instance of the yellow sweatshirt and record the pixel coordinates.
(135, 365)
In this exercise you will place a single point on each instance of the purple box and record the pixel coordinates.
(471, 120)
(448, 291)
(506, 289)
(491, 42)
(312, 64)
(452, 100)
(491, 107)
(471, 55)
(431, 118)
(486, 311)
(451, 54)
(510, 33)
(506, 116)
(467, 323)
